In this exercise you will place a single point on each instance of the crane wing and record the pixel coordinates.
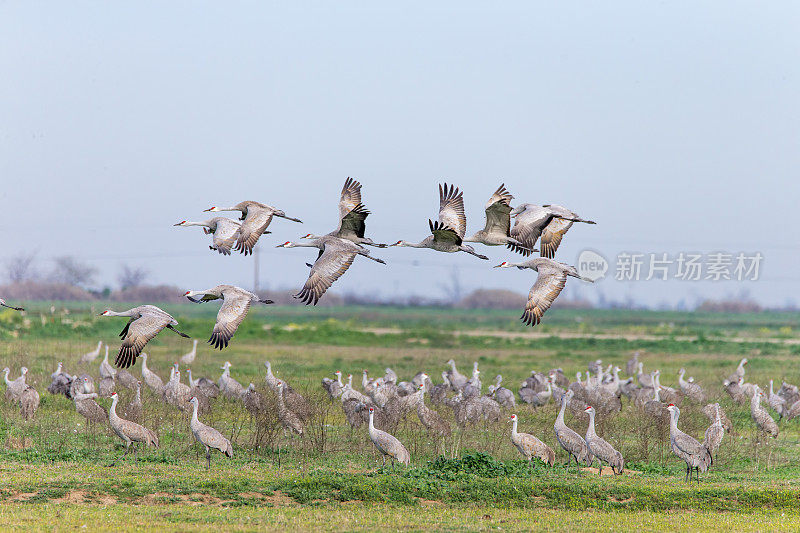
(527, 229)
(689, 445)
(140, 332)
(442, 233)
(552, 235)
(254, 225)
(226, 235)
(233, 310)
(329, 266)
(548, 286)
(498, 210)
(350, 198)
(353, 222)
(451, 209)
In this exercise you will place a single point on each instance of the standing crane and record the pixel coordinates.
(188, 358)
(572, 443)
(235, 305)
(447, 234)
(549, 283)
(129, 432)
(696, 456)
(529, 446)
(715, 432)
(91, 356)
(388, 445)
(601, 449)
(150, 378)
(145, 322)
(256, 218)
(208, 436)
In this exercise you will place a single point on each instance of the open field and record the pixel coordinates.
(56, 466)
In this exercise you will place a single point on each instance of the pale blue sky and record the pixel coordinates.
(675, 125)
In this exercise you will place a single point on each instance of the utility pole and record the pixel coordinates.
(255, 268)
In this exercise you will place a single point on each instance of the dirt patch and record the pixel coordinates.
(22, 496)
(279, 498)
(15, 443)
(431, 503)
(73, 497)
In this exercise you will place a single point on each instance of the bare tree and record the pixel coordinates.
(453, 290)
(72, 271)
(20, 268)
(130, 277)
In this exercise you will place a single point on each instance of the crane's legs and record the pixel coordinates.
(208, 458)
(127, 449)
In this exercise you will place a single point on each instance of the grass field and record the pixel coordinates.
(55, 467)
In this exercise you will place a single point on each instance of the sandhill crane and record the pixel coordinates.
(633, 364)
(253, 400)
(739, 372)
(81, 384)
(4, 304)
(256, 218)
(207, 388)
(87, 407)
(129, 432)
(145, 322)
(188, 358)
(208, 436)
(106, 387)
(352, 214)
(529, 446)
(692, 390)
(150, 378)
(28, 402)
(294, 400)
(106, 370)
(388, 445)
(335, 257)
(549, 283)
(711, 410)
(775, 401)
(235, 305)
(537, 399)
(498, 222)
(572, 443)
(289, 420)
(447, 234)
(532, 220)
(431, 419)
(760, 416)
(793, 411)
(134, 410)
(227, 385)
(176, 393)
(473, 386)
(224, 230)
(645, 380)
(601, 449)
(504, 396)
(15, 388)
(333, 386)
(715, 432)
(735, 390)
(60, 381)
(457, 379)
(91, 356)
(696, 456)
(669, 394)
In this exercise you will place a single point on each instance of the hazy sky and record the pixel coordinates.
(674, 125)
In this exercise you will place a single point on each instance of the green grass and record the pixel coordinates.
(331, 478)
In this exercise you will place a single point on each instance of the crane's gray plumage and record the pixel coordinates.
(208, 436)
(572, 443)
(687, 448)
(715, 432)
(288, 419)
(150, 378)
(530, 446)
(549, 283)
(550, 222)
(256, 218)
(15, 388)
(387, 444)
(91, 356)
(693, 391)
(496, 231)
(235, 305)
(145, 322)
(227, 385)
(760, 416)
(28, 402)
(447, 234)
(601, 449)
(130, 432)
(335, 257)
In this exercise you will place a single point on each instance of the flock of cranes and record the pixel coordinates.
(383, 402)
(339, 248)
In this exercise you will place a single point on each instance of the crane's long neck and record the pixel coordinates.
(5, 377)
(339, 379)
(590, 430)
(105, 359)
(564, 401)
(205, 224)
(281, 405)
(680, 377)
(673, 421)
(514, 428)
(371, 422)
(771, 390)
(138, 397)
(656, 395)
(113, 409)
(717, 418)
(194, 412)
